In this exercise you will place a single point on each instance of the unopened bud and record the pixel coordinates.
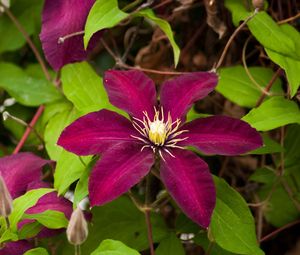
(77, 230)
(5, 199)
(6, 3)
(258, 4)
(5, 115)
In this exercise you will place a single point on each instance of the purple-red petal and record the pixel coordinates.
(97, 132)
(189, 182)
(221, 135)
(178, 95)
(16, 248)
(21, 169)
(131, 91)
(117, 171)
(59, 19)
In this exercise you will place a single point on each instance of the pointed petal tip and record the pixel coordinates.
(131, 91)
(190, 183)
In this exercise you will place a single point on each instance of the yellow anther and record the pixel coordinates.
(158, 132)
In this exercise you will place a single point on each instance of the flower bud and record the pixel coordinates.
(5, 199)
(77, 230)
(6, 3)
(258, 4)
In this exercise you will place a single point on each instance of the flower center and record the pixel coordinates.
(160, 133)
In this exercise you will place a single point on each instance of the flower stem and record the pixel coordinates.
(239, 28)
(147, 212)
(29, 128)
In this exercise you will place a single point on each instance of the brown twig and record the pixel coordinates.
(275, 232)
(147, 212)
(268, 87)
(29, 128)
(290, 19)
(238, 29)
(28, 40)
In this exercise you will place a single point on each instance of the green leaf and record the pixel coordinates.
(273, 113)
(52, 109)
(269, 34)
(22, 9)
(165, 27)
(263, 175)
(280, 209)
(232, 225)
(290, 65)
(22, 203)
(30, 230)
(291, 68)
(81, 190)
(235, 84)
(202, 240)
(112, 247)
(121, 220)
(270, 146)
(68, 169)
(84, 88)
(170, 245)
(238, 10)
(25, 89)
(49, 218)
(104, 14)
(37, 251)
(8, 235)
(56, 124)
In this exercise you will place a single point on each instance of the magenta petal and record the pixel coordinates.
(61, 18)
(178, 95)
(221, 135)
(117, 171)
(189, 182)
(131, 91)
(96, 132)
(19, 170)
(16, 248)
(50, 201)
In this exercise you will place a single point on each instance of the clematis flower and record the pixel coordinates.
(129, 147)
(23, 172)
(61, 36)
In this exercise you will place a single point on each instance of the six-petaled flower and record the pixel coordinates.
(129, 147)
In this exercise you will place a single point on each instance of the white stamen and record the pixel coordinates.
(159, 133)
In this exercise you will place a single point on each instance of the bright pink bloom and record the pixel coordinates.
(155, 128)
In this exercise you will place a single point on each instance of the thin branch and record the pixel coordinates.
(289, 19)
(146, 70)
(149, 231)
(239, 28)
(23, 123)
(275, 232)
(29, 128)
(247, 69)
(110, 52)
(147, 212)
(268, 87)
(132, 40)
(28, 40)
